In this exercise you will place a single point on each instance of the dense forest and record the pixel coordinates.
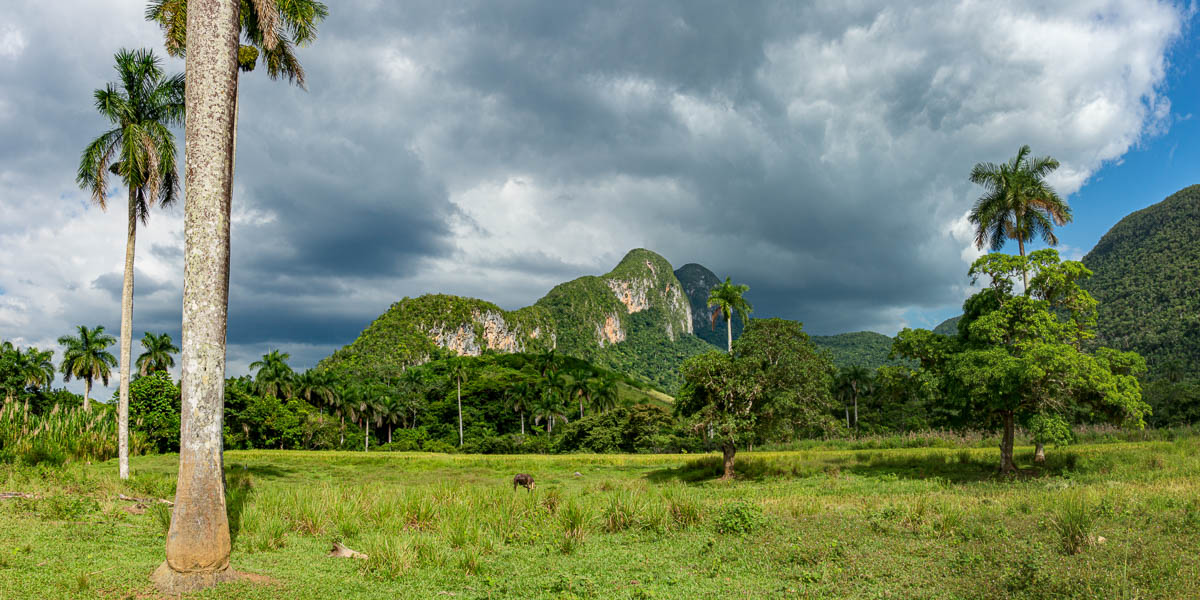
(1146, 277)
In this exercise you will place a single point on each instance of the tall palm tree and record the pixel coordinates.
(140, 149)
(458, 372)
(316, 387)
(519, 396)
(606, 395)
(35, 369)
(157, 351)
(1017, 204)
(853, 382)
(198, 541)
(391, 411)
(87, 357)
(581, 388)
(550, 405)
(726, 300)
(273, 376)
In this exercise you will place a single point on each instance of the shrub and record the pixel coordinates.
(739, 517)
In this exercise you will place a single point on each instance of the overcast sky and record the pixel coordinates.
(494, 149)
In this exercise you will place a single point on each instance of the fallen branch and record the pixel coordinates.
(12, 495)
(341, 551)
(145, 500)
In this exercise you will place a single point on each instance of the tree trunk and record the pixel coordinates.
(729, 331)
(728, 450)
(342, 433)
(198, 542)
(366, 436)
(856, 412)
(847, 416)
(1039, 453)
(389, 433)
(460, 435)
(87, 391)
(126, 339)
(1006, 445)
(581, 408)
(522, 423)
(1024, 267)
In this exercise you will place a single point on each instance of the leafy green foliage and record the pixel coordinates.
(739, 517)
(1018, 356)
(1146, 281)
(863, 348)
(154, 410)
(774, 383)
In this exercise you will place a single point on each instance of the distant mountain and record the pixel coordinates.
(863, 348)
(697, 281)
(948, 327)
(635, 318)
(1147, 280)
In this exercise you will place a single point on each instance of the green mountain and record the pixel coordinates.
(862, 348)
(635, 318)
(948, 327)
(1147, 280)
(697, 281)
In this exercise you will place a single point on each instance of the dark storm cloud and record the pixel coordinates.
(143, 284)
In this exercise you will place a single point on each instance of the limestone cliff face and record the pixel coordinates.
(487, 330)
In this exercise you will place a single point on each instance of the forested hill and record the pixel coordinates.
(1147, 280)
(861, 348)
(635, 319)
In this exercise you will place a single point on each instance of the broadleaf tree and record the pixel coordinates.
(774, 384)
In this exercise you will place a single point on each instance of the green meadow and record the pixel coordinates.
(1116, 520)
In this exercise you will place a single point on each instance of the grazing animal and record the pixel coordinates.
(523, 479)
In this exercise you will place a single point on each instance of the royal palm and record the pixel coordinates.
(726, 300)
(140, 150)
(1017, 204)
(87, 357)
(157, 353)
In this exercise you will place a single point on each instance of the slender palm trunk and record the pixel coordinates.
(847, 416)
(87, 391)
(366, 436)
(126, 339)
(460, 430)
(522, 423)
(389, 433)
(342, 433)
(198, 542)
(729, 331)
(580, 407)
(1024, 267)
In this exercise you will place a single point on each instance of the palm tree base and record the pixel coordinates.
(172, 582)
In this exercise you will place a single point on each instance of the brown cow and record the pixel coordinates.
(523, 479)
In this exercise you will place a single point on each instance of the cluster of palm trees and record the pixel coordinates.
(85, 357)
(554, 392)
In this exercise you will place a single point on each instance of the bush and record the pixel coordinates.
(439, 446)
(739, 517)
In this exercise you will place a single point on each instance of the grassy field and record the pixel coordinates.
(1100, 521)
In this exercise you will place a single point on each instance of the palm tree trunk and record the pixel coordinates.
(460, 431)
(366, 436)
(580, 407)
(729, 331)
(198, 542)
(522, 423)
(1024, 267)
(342, 433)
(87, 391)
(126, 339)
(389, 433)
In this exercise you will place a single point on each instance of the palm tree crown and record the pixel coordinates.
(140, 148)
(157, 351)
(273, 376)
(726, 300)
(1017, 203)
(270, 30)
(87, 357)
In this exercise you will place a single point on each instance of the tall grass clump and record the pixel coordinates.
(685, 511)
(60, 435)
(1074, 520)
(574, 518)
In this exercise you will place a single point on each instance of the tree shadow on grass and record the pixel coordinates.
(238, 489)
(961, 466)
